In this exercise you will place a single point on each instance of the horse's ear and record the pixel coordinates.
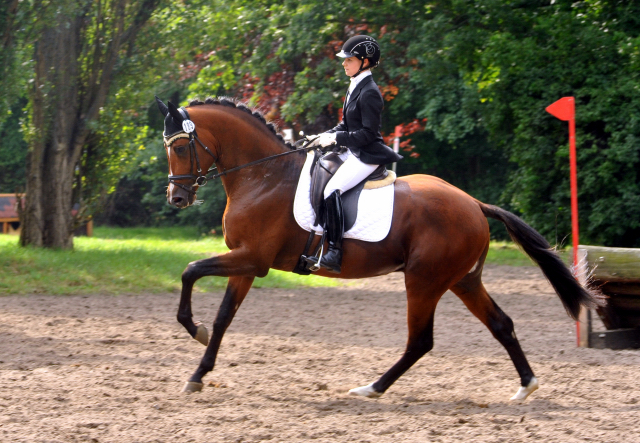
(173, 110)
(163, 108)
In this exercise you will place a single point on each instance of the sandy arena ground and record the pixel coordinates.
(110, 369)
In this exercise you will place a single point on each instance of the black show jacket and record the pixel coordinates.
(359, 129)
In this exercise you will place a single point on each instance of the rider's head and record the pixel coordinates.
(362, 47)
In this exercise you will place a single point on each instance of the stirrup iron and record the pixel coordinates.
(316, 266)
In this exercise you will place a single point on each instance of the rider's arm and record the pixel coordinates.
(371, 104)
(341, 127)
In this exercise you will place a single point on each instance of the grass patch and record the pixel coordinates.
(124, 260)
(506, 253)
(134, 260)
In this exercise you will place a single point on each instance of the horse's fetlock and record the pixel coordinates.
(184, 320)
(206, 366)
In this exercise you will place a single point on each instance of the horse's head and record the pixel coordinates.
(188, 155)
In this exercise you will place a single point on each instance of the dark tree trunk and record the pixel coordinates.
(72, 79)
(47, 219)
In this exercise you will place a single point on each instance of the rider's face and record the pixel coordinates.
(352, 65)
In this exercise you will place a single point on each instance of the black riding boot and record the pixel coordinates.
(332, 260)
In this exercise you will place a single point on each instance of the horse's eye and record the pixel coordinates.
(180, 149)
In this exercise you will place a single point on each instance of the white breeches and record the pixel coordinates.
(352, 172)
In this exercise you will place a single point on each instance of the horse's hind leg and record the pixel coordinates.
(422, 298)
(474, 295)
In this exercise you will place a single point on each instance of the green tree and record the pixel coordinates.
(587, 50)
(480, 73)
(267, 54)
(80, 49)
(14, 151)
(15, 24)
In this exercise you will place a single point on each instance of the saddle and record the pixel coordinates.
(322, 169)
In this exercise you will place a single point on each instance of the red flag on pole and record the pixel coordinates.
(564, 109)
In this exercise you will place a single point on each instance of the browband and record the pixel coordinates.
(169, 140)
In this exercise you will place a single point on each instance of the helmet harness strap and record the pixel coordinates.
(362, 68)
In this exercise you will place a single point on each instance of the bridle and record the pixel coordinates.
(189, 129)
(201, 179)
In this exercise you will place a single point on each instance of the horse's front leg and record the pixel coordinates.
(233, 263)
(237, 289)
(240, 265)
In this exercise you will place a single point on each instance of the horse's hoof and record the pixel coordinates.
(524, 391)
(365, 391)
(202, 335)
(192, 386)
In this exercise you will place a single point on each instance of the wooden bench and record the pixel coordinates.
(11, 222)
(9, 214)
(616, 272)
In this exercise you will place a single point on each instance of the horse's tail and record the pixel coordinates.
(570, 291)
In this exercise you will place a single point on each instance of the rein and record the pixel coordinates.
(202, 179)
(305, 147)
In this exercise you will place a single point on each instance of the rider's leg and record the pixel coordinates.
(332, 260)
(352, 172)
(349, 174)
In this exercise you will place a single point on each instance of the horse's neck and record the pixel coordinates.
(248, 144)
(242, 137)
(275, 179)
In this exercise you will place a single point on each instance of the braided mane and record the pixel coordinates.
(225, 101)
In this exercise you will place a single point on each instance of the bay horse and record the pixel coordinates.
(439, 236)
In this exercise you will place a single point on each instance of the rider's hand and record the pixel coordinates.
(312, 139)
(327, 139)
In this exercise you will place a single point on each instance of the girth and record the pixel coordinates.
(322, 169)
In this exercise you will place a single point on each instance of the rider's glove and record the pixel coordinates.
(312, 139)
(327, 139)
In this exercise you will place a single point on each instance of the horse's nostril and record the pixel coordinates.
(178, 201)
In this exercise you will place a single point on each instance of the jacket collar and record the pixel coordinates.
(358, 78)
(356, 92)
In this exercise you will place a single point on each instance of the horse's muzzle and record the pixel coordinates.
(179, 198)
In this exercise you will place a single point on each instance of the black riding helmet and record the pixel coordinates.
(361, 47)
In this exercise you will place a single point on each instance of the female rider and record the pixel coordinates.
(359, 132)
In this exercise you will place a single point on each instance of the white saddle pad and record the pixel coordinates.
(375, 209)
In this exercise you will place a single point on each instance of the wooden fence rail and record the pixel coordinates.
(615, 272)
